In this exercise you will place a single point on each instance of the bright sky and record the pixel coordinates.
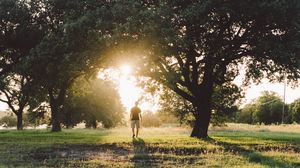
(130, 92)
(128, 89)
(254, 91)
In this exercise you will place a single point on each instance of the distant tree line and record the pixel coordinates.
(269, 108)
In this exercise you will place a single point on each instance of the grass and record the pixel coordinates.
(232, 146)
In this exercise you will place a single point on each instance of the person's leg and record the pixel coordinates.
(132, 127)
(137, 128)
(132, 132)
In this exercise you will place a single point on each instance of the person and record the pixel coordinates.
(135, 117)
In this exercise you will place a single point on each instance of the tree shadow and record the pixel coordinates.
(252, 155)
(142, 157)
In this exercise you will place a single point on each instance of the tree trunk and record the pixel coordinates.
(55, 103)
(201, 124)
(20, 121)
(56, 127)
(202, 114)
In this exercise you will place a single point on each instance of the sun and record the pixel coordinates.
(125, 69)
(127, 86)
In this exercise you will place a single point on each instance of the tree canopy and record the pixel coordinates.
(194, 46)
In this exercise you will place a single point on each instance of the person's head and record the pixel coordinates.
(136, 103)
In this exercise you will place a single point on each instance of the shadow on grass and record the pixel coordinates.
(142, 157)
(45, 149)
(252, 155)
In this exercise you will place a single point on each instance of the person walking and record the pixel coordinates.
(136, 118)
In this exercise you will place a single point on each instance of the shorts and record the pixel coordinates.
(135, 123)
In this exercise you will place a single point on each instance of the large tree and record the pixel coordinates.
(193, 46)
(21, 30)
(72, 46)
(15, 92)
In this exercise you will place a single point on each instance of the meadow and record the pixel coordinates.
(237, 145)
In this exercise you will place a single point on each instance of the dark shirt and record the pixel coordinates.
(135, 113)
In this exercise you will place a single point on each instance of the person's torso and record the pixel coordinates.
(135, 113)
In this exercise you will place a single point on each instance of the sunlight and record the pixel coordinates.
(125, 69)
(128, 89)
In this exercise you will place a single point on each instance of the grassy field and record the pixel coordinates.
(237, 145)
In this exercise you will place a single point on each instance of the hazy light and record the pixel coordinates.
(128, 89)
(125, 69)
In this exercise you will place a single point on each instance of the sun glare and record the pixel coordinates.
(128, 89)
(125, 69)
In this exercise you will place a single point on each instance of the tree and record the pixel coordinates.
(294, 110)
(245, 115)
(8, 121)
(225, 101)
(70, 49)
(39, 115)
(20, 32)
(93, 101)
(268, 108)
(20, 93)
(265, 109)
(193, 46)
(16, 90)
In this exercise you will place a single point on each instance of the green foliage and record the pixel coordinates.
(225, 102)
(191, 47)
(8, 121)
(93, 101)
(294, 111)
(71, 47)
(266, 109)
(150, 119)
(39, 116)
(173, 105)
(245, 115)
(224, 105)
(20, 93)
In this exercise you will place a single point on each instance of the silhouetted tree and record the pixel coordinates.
(193, 46)
(71, 48)
(225, 104)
